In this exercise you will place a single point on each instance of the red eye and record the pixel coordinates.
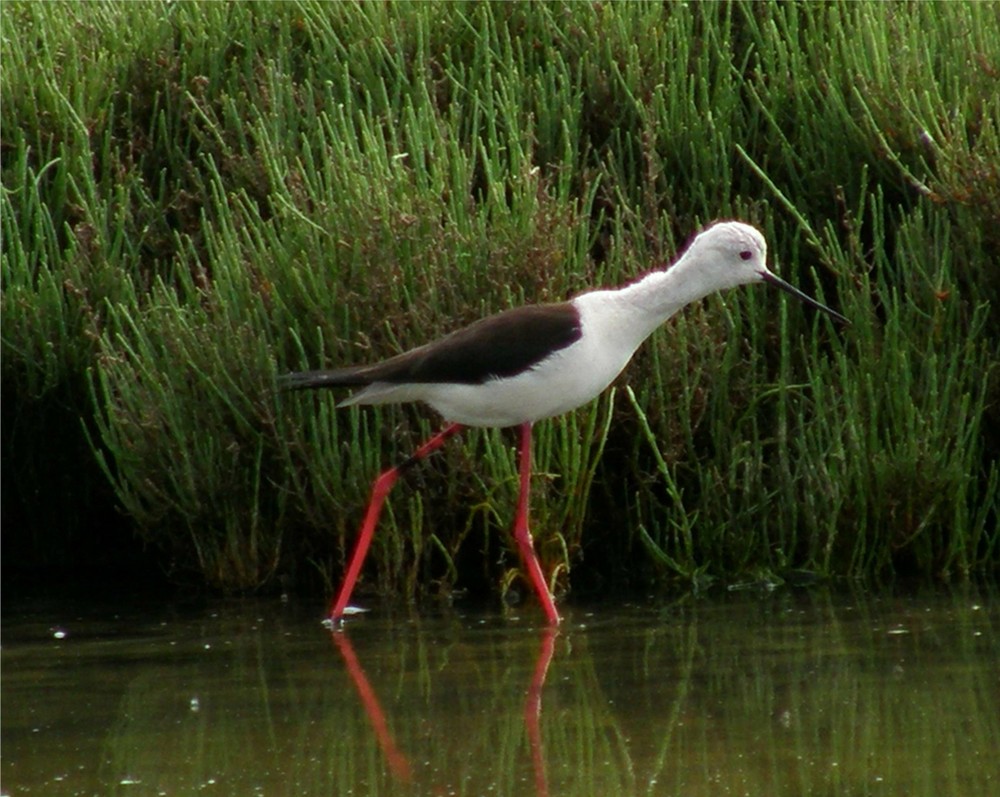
(746, 254)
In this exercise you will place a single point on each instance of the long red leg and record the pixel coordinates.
(523, 536)
(380, 489)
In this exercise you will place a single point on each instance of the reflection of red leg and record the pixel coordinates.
(398, 763)
(383, 484)
(533, 709)
(523, 536)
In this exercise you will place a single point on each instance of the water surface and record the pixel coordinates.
(791, 693)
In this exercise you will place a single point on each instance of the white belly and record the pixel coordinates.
(562, 382)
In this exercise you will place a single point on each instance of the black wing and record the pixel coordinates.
(500, 345)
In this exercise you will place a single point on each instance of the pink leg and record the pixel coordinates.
(523, 536)
(383, 484)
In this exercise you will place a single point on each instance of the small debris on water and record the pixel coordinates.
(349, 611)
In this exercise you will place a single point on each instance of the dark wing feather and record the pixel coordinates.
(501, 345)
(339, 377)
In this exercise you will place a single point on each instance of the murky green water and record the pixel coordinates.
(793, 693)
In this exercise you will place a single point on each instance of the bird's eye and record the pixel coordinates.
(746, 254)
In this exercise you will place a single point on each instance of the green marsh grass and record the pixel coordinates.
(221, 193)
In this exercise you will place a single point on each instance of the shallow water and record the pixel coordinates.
(791, 693)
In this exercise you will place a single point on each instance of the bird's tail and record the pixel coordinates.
(339, 377)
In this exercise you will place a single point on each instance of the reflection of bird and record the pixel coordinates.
(529, 363)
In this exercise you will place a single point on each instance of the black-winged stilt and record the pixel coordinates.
(530, 363)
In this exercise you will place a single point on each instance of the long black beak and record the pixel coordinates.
(778, 282)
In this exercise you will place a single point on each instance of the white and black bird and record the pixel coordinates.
(529, 363)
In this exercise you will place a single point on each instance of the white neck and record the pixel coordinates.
(659, 295)
(619, 320)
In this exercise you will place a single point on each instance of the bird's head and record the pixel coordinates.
(731, 253)
(728, 254)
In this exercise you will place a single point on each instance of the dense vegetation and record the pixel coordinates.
(199, 197)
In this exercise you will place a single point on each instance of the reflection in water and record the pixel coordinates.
(785, 694)
(533, 708)
(398, 763)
